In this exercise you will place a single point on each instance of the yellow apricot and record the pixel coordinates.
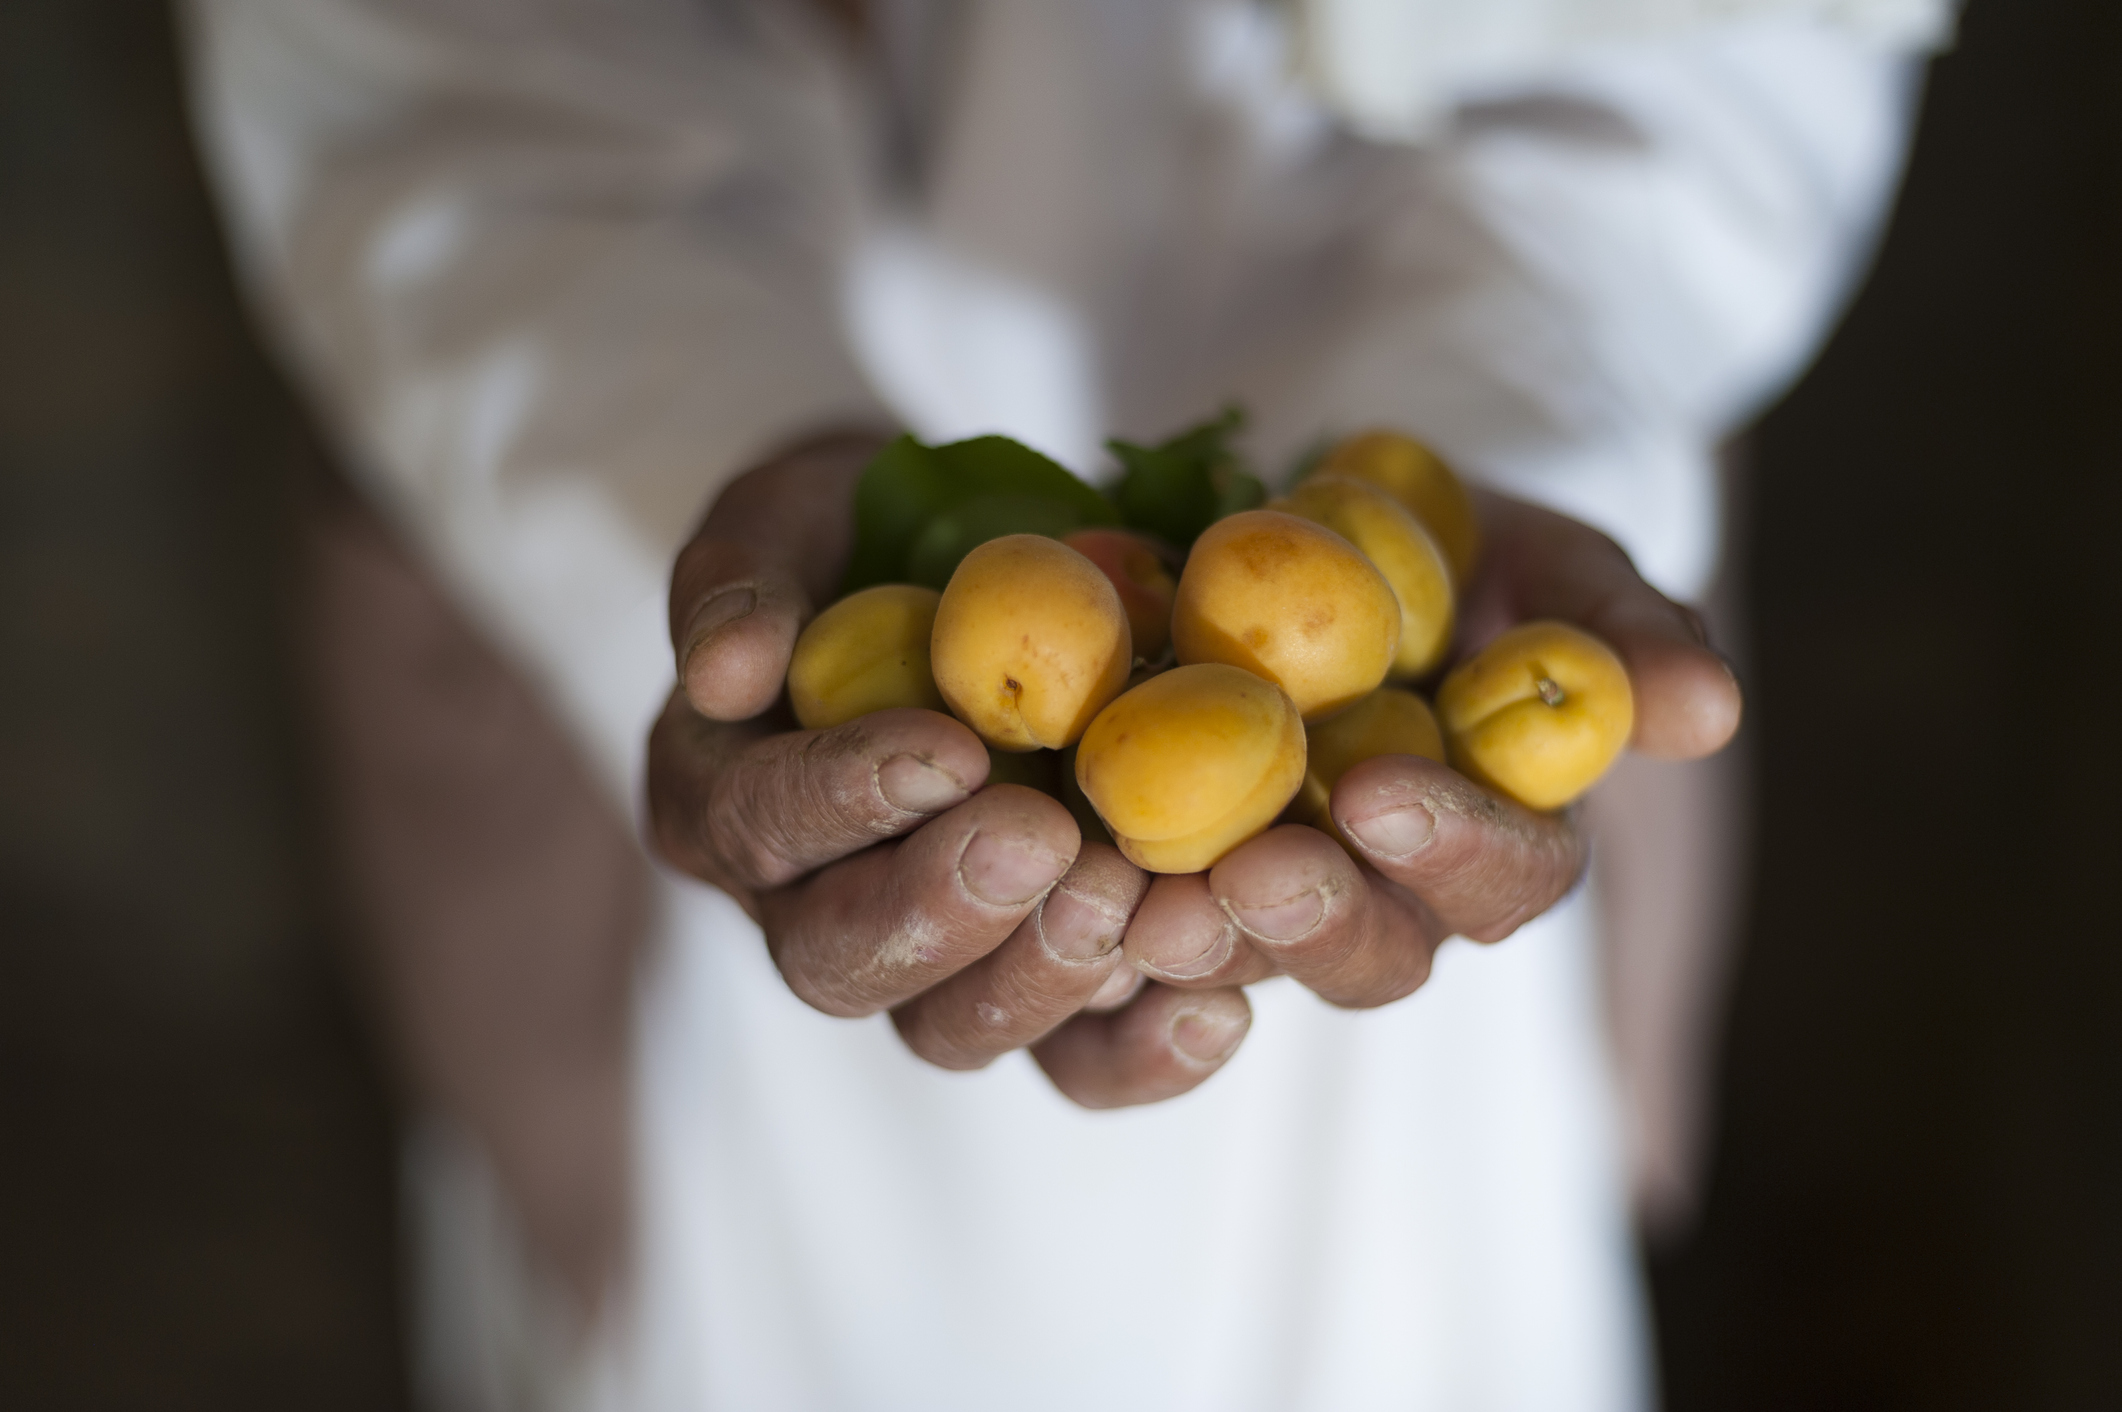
(1389, 721)
(1395, 541)
(1191, 763)
(1538, 714)
(1290, 601)
(1030, 642)
(1418, 478)
(866, 653)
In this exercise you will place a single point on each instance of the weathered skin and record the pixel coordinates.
(1394, 540)
(868, 652)
(844, 848)
(1538, 714)
(1030, 642)
(1415, 476)
(1290, 601)
(1190, 764)
(1389, 721)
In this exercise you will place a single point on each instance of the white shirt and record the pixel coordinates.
(557, 268)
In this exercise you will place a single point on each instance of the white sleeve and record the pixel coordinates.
(554, 270)
(1591, 278)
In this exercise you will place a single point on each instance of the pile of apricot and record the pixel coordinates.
(1202, 696)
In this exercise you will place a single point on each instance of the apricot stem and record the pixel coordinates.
(1550, 690)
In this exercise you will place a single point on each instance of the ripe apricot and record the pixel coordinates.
(1418, 478)
(1192, 763)
(1395, 541)
(1145, 585)
(867, 652)
(1389, 721)
(1030, 642)
(1290, 601)
(1538, 714)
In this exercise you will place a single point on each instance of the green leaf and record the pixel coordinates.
(1162, 493)
(1180, 487)
(996, 465)
(964, 527)
(920, 509)
(901, 489)
(1237, 489)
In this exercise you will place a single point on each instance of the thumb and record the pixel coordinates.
(769, 551)
(742, 613)
(1545, 565)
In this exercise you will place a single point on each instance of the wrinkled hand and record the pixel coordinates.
(884, 877)
(1441, 856)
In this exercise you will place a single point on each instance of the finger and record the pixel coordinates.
(1305, 906)
(770, 550)
(735, 613)
(1056, 960)
(795, 801)
(1483, 865)
(744, 808)
(686, 751)
(1182, 936)
(1545, 565)
(867, 933)
(1163, 1044)
(1122, 984)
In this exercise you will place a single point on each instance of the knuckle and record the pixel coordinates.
(1391, 983)
(1511, 910)
(738, 828)
(777, 815)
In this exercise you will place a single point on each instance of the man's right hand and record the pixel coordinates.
(883, 875)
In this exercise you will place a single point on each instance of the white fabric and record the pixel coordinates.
(557, 268)
(1394, 68)
(1409, 1208)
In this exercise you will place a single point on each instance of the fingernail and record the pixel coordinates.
(1207, 1036)
(1396, 832)
(918, 786)
(1074, 928)
(717, 613)
(1005, 873)
(1207, 963)
(1291, 919)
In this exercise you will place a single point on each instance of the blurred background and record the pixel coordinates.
(1915, 1197)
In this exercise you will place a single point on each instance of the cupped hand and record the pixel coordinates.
(1434, 854)
(886, 878)
(882, 874)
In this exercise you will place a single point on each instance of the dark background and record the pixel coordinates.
(1917, 1195)
(196, 1157)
